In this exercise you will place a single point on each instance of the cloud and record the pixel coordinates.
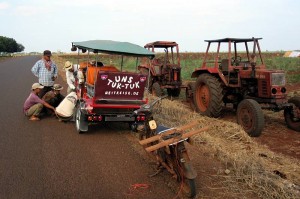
(4, 5)
(27, 10)
(154, 7)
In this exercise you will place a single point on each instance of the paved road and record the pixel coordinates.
(48, 159)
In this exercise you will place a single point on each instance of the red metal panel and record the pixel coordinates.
(117, 106)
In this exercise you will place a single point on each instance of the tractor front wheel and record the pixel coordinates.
(292, 115)
(250, 117)
(208, 95)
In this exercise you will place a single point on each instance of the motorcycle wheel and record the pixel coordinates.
(189, 187)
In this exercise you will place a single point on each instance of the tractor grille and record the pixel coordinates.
(264, 88)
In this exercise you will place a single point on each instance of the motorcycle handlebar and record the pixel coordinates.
(148, 107)
(157, 99)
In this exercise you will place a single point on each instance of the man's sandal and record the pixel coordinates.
(34, 119)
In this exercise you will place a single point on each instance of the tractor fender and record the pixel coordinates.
(213, 71)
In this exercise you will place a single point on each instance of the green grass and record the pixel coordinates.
(191, 61)
(293, 78)
(288, 64)
(188, 66)
(129, 63)
(284, 63)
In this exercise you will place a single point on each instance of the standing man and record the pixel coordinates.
(70, 76)
(46, 71)
(34, 105)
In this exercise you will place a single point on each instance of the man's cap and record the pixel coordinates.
(36, 85)
(47, 53)
(57, 87)
(68, 65)
(93, 62)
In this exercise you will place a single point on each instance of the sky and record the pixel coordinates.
(55, 24)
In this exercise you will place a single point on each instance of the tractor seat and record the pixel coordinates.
(224, 65)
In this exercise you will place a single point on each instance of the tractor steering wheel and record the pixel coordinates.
(236, 60)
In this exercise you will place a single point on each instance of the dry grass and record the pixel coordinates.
(248, 162)
(60, 62)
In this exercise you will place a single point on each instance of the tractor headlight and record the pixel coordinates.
(278, 79)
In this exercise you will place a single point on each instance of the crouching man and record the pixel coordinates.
(34, 105)
(54, 97)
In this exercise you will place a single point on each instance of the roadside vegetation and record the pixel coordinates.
(2, 58)
(9, 45)
(191, 61)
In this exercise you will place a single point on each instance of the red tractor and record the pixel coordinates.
(164, 72)
(240, 77)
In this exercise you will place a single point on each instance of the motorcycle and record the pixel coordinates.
(167, 145)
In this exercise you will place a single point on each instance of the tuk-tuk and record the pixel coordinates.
(107, 93)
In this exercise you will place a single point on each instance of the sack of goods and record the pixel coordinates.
(65, 109)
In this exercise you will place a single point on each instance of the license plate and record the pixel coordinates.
(152, 124)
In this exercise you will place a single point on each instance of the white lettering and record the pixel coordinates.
(109, 81)
(122, 83)
(124, 79)
(119, 86)
(120, 93)
(117, 78)
(137, 84)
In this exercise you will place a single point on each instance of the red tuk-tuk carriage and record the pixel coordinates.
(108, 94)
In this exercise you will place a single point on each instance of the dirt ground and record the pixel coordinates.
(276, 135)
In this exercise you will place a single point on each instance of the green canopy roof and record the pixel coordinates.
(114, 47)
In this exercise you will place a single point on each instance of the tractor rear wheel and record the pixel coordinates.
(250, 117)
(175, 92)
(189, 95)
(156, 90)
(291, 115)
(208, 95)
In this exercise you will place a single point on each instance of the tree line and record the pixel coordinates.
(9, 45)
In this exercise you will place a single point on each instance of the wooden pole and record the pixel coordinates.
(173, 140)
(168, 132)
